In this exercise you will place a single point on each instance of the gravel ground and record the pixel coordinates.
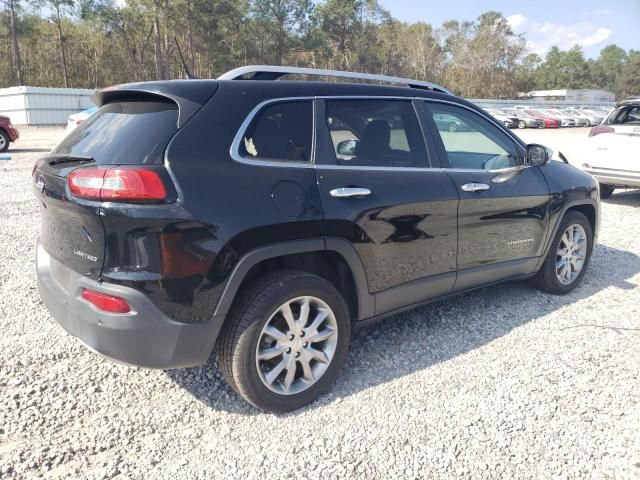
(505, 382)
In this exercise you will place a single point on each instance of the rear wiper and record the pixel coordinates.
(62, 158)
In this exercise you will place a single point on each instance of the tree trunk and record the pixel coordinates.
(63, 55)
(190, 35)
(14, 42)
(156, 32)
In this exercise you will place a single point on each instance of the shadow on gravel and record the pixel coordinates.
(415, 340)
(630, 198)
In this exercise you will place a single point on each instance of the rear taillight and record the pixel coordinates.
(107, 303)
(117, 184)
(598, 129)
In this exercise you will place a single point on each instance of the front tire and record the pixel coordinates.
(568, 256)
(453, 127)
(285, 340)
(522, 124)
(4, 141)
(606, 190)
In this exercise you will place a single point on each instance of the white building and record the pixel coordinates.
(43, 106)
(572, 95)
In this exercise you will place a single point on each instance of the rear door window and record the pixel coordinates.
(281, 131)
(375, 133)
(125, 132)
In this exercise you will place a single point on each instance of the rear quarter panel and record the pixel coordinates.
(225, 209)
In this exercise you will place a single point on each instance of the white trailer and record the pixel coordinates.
(43, 106)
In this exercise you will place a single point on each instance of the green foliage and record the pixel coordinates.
(95, 43)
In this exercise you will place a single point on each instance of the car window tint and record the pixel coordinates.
(470, 141)
(281, 131)
(124, 132)
(377, 133)
(629, 115)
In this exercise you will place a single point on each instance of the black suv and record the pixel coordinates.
(267, 219)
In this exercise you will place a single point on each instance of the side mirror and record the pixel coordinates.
(538, 155)
(347, 147)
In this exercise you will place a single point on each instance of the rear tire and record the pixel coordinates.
(522, 124)
(4, 141)
(550, 277)
(249, 354)
(606, 190)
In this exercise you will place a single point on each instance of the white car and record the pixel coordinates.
(611, 153)
(77, 118)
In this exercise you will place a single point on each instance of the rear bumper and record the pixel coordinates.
(144, 337)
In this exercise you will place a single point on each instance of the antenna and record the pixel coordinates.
(187, 73)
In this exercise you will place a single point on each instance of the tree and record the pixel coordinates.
(629, 79)
(59, 8)
(525, 72)
(103, 42)
(283, 21)
(15, 49)
(348, 27)
(608, 67)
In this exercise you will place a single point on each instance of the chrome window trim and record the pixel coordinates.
(234, 151)
(377, 169)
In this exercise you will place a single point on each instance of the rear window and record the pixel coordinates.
(128, 132)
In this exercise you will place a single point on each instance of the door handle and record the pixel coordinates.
(475, 187)
(348, 192)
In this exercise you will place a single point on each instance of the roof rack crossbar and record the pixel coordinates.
(272, 72)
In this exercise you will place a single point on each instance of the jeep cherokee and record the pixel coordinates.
(265, 220)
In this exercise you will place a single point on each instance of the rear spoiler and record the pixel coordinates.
(189, 95)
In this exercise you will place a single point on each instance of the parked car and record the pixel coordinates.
(526, 120)
(315, 209)
(8, 133)
(612, 149)
(450, 123)
(591, 118)
(549, 121)
(563, 119)
(577, 120)
(509, 122)
(77, 118)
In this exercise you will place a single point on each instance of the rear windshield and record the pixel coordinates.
(130, 132)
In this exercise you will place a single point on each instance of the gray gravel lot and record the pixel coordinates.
(504, 382)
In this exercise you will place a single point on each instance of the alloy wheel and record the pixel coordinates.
(571, 254)
(296, 345)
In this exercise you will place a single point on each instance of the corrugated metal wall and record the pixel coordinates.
(43, 106)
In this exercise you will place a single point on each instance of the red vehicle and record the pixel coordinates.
(8, 133)
(549, 122)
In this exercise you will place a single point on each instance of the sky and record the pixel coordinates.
(592, 23)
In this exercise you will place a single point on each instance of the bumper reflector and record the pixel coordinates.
(107, 303)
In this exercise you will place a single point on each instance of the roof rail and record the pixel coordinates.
(272, 72)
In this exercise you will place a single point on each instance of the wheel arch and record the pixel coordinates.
(588, 207)
(332, 258)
